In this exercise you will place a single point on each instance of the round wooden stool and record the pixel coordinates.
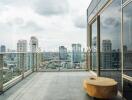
(100, 87)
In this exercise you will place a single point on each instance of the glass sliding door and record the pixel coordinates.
(110, 41)
(127, 51)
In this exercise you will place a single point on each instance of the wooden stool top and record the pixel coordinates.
(101, 81)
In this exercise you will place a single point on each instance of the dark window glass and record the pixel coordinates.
(127, 38)
(127, 89)
(94, 45)
(110, 43)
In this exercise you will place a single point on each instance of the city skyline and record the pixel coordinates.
(56, 49)
(52, 26)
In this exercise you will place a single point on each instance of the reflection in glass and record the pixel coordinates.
(110, 37)
(94, 7)
(110, 47)
(127, 89)
(127, 39)
(94, 45)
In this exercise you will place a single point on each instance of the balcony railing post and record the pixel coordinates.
(32, 57)
(36, 58)
(1, 73)
(34, 61)
(23, 67)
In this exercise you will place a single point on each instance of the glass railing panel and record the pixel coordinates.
(51, 62)
(19, 63)
(10, 67)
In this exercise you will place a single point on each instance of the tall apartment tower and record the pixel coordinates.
(106, 54)
(76, 53)
(33, 44)
(3, 48)
(34, 52)
(62, 53)
(22, 54)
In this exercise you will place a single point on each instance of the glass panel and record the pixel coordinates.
(127, 89)
(127, 39)
(11, 68)
(101, 3)
(16, 64)
(92, 6)
(110, 47)
(64, 61)
(94, 45)
(92, 14)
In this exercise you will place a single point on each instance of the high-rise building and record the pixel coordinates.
(62, 53)
(22, 54)
(106, 46)
(3, 48)
(76, 53)
(106, 53)
(33, 44)
(34, 52)
(115, 60)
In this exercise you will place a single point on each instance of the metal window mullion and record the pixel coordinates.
(122, 52)
(90, 44)
(1, 73)
(98, 45)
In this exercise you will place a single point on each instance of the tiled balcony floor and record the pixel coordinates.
(50, 86)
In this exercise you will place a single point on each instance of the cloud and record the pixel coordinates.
(16, 2)
(31, 26)
(108, 20)
(51, 7)
(18, 25)
(111, 22)
(127, 11)
(80, 21)
(55, 21)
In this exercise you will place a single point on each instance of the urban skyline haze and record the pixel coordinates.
(54, 25)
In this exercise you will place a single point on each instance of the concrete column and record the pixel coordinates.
(1, 73)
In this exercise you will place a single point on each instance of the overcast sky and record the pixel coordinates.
(53, 22)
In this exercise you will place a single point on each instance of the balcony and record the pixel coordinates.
(50, 86)
(27, 76)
